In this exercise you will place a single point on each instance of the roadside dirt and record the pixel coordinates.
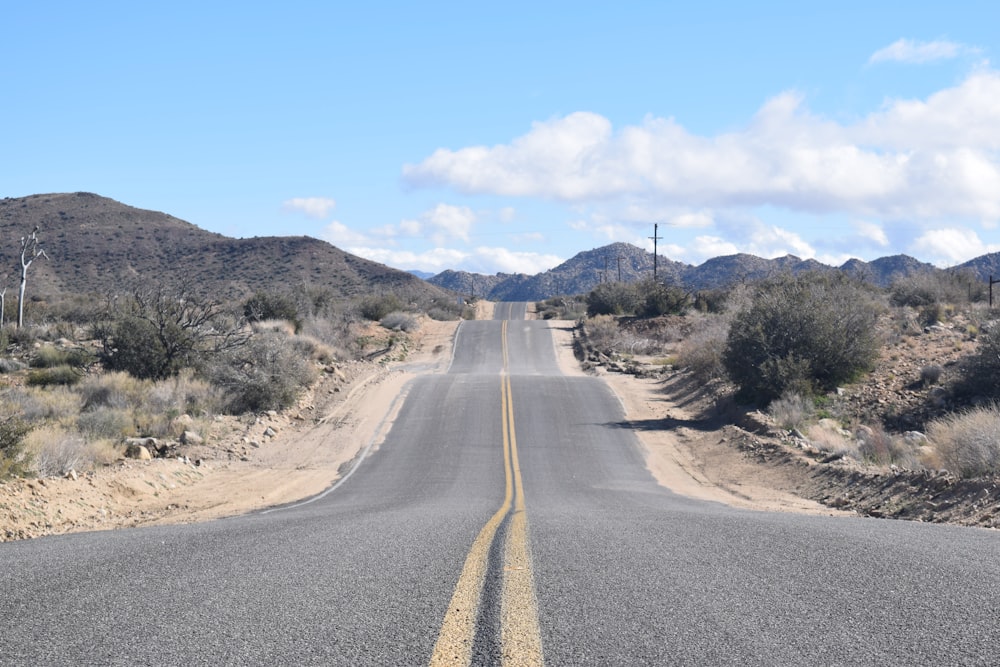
(246, 464)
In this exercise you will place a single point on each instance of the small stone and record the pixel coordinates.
(191, 438)
(72, 475)
(139, 452)
(270, 432)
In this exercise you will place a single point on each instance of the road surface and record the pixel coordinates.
(507, 517)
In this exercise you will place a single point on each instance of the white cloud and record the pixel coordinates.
(870, 232)
(927, 159)
(509, 261)
(341, 235)
(707, 247)
(911, 51)
(951, 246)
(482, 259)
(452, 222)
(314, 207)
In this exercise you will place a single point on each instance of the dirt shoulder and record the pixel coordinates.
(246, 464)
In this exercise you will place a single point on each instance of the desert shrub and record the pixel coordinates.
(702, 351)
(446, 310)
(659, 299)
(879, 447)
(314, 349)
(791, 410)
(34, 404)
(56, 451)
(968, 443)
(398, 321)
(270, 306)
(934, 287)
(185, 393)
(710, 301)
(601, 332)
(979, 374)
(14, 458)
(10, 365)
(930, 374)
(22, 337)
(932, 313)
(803, 334)
(111, 390)
(153, 333)
(562, 308)
(375, 308)
(265, 374)
(105, 422)
(50, 357)
(613, 299)
(58, 375)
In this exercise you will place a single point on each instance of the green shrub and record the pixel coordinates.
(613, 299)
(374, 308)
(50, 357)
(270, 306)
(59, 375)
(802, 334)
(14, 459)
(266, 374)
(792, 410)
(662, 299)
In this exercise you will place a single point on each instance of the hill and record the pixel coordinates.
(587, 269)
(97, 245)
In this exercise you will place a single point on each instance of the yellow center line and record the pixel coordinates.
(520, 637)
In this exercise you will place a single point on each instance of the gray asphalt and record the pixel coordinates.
(625, 572)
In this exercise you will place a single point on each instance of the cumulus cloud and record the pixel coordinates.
(314, 207)
(951, 246)
(482, 259)
(911, 51)
(341, 235)
(871, 232)
(927, 159)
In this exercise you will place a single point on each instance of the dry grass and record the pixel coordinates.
(968, 443)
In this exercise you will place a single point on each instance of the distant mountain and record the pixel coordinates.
(95, 245)
(574, 276)
(423, 275)
(984, 267)
(587, 269)
(885, 270)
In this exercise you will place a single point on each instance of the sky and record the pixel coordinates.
(507, 137)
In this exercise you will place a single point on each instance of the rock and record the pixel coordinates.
(191, 438)
(134, 451)
(270, 432)
(181, 423)
(72, 475)
(915, 438)
(272, 413)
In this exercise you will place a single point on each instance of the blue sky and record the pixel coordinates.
(510, 136)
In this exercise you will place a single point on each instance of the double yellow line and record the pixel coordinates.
(520, 638)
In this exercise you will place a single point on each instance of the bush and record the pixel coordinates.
(50, 357)
(702, 351)
(601, 332)
(60, 375)
(398, 321)
(968, 444)
(935, 287)
(791, 410)
(56, 452)
(14, 459)
(662, 299)
(374, 308)
(613, 299)
(265, 374)
(979, 374)
(270, 306)
(803, 334)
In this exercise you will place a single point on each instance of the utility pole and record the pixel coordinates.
(655, 238)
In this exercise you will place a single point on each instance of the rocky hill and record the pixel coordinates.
(629, 263)
(95, 245)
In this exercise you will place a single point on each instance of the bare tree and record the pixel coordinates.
(30, 251)
(3, 304)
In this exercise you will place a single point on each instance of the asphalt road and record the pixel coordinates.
(526, 490)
